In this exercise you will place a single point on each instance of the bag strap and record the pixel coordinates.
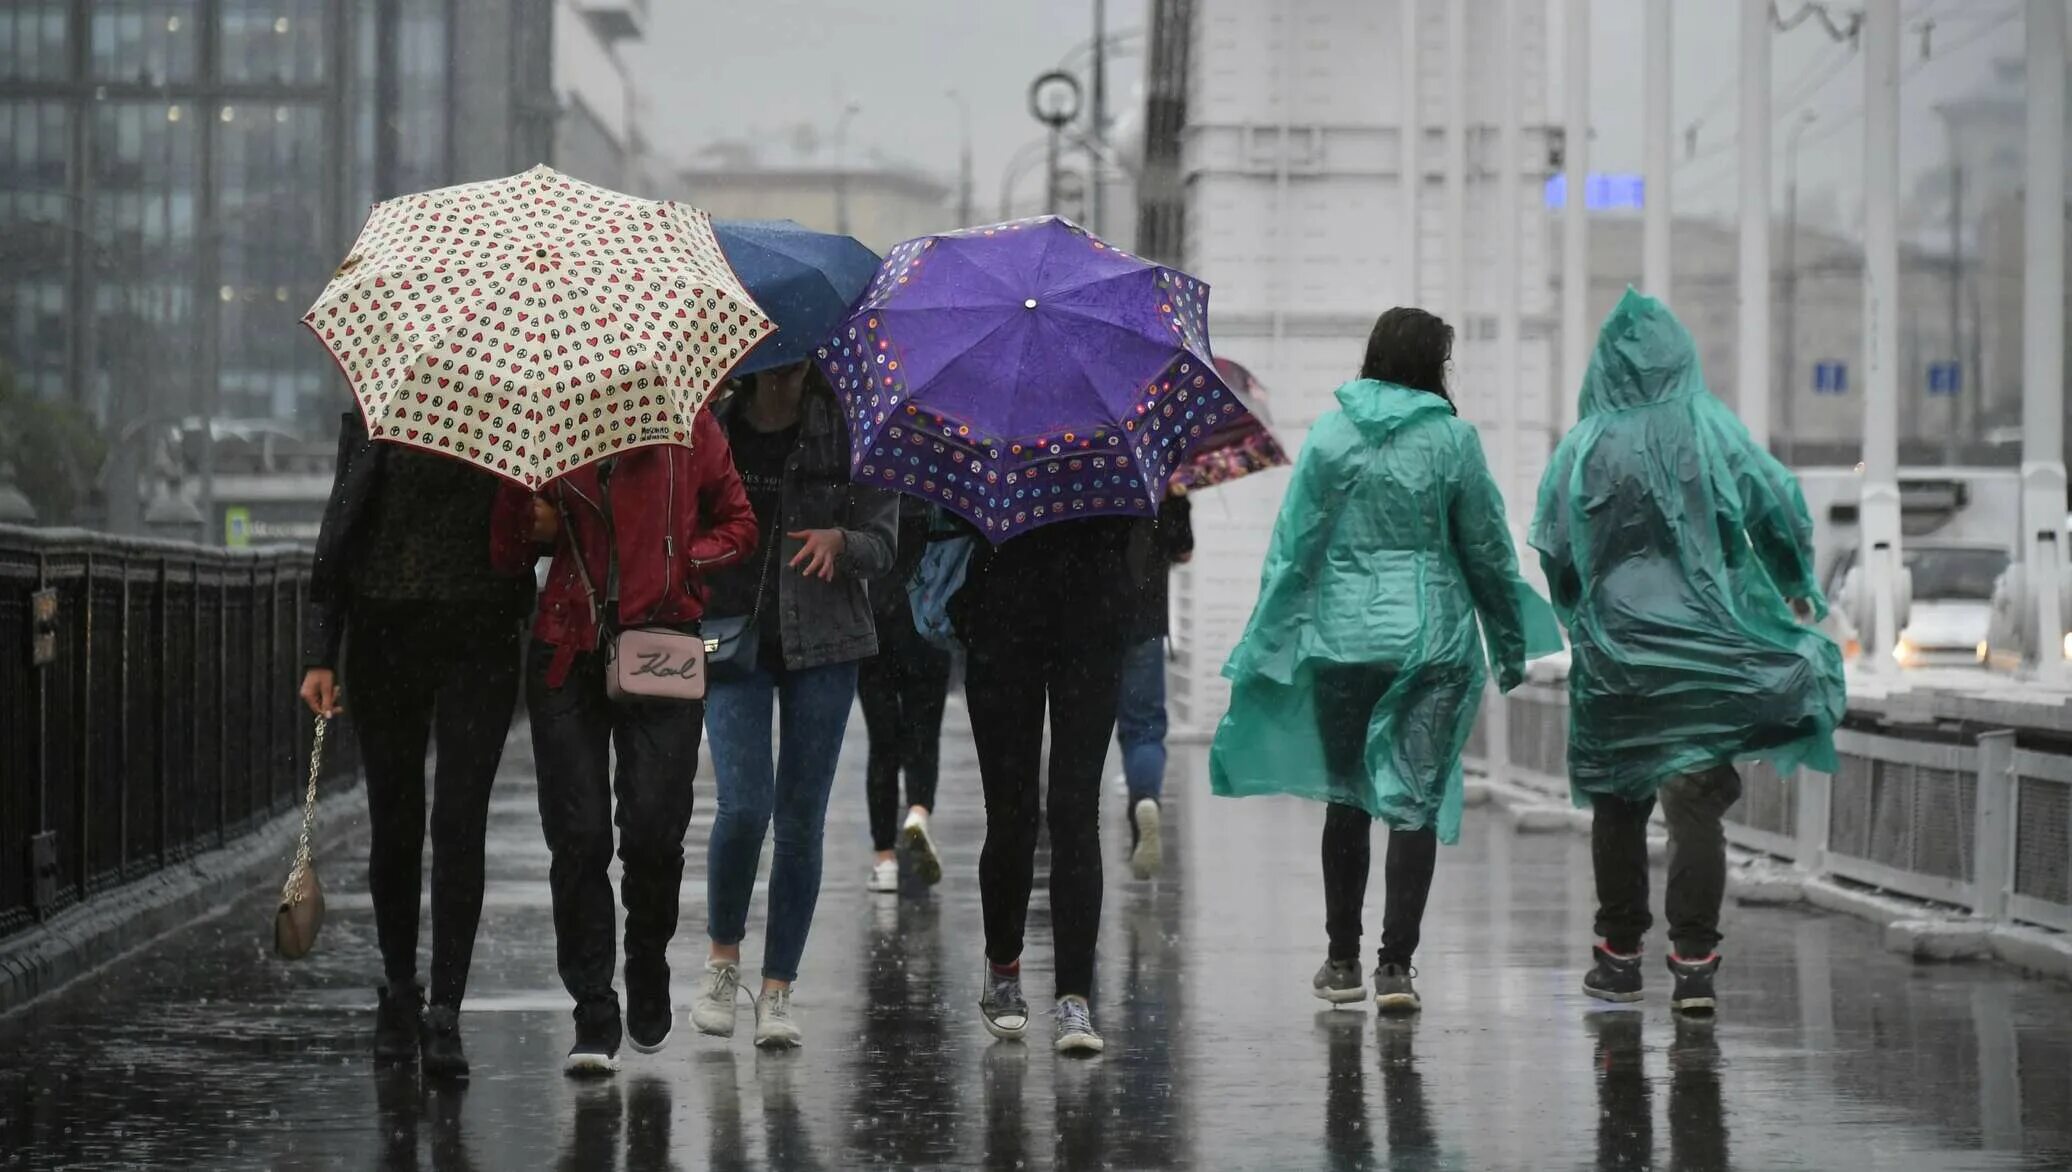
(292, 890)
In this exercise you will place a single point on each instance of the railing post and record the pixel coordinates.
(1815, 791)
(1992, 854)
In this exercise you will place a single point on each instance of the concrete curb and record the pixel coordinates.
(85, 938)
(1917, 930)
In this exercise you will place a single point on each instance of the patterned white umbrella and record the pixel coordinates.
(534, 324)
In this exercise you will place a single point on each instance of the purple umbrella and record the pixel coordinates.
(1026, 373)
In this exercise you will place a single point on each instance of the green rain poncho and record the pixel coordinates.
(1391, 541)
(1671, 543)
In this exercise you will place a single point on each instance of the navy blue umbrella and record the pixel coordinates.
(805, 281)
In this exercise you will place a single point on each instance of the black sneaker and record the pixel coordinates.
(396, 1018)
(1393, 992)
(596, 1052)
(1693, 992)
(1339, 982)
(1614, 977)
(649, 1016)
(440, 1039)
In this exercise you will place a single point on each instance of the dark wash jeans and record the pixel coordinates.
(574, 729)
(1693, 805)
(420, 673)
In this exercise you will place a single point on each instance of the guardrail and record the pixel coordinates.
(146, 708)
(1938, 810)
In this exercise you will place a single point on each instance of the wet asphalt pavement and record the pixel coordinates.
(1829, 1053)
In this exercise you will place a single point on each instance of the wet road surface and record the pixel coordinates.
(1829, 1053)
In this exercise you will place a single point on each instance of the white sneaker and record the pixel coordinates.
(1149, 854)
(712, 1011)
(921, 847)
(884, 877)
(774, 1027)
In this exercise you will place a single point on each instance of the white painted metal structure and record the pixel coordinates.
(1753, 363)
(2043, 341)
(1880, 510)
(1657, 115)
(1575, 217)
(1306, 215)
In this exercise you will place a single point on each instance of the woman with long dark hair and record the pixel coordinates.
(807, 608)
(1359, 676)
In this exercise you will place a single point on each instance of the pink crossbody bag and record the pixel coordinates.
(655, 665)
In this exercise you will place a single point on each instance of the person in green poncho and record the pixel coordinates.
(1680, 557)
(1360, 674)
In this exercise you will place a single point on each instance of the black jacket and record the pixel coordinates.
(1163, 542)
(355, 483)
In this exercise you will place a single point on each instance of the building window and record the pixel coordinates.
(149, 42)
(269, 175)
(276, 41)
(37, 227)
(33, 43)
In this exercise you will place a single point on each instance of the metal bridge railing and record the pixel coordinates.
(1978, 822)
(147, 708)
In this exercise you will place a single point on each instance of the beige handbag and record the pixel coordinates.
(301, 912)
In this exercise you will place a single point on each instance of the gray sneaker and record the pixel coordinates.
(1393, 992)
(1072, 1031)
(1339, 982)
(774, 1027)
(1001, 1005)
(718, 991)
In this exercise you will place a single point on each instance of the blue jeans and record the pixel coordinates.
(813, 713)
(1140, 719)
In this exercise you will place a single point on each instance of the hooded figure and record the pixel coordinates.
(1674, 546)
(1391, 542)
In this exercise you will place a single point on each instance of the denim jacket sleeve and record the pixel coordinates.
(870, 534)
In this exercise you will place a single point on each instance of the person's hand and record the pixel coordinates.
(816, 559)
(1183, 557)
(1801, 608)
(546, 523)
(320, 691)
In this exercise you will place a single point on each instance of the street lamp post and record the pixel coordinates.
(1054, 100)
(966, 180)
(849, 113)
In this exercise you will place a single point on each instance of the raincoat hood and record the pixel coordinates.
(1378, 409)
(1644, 355)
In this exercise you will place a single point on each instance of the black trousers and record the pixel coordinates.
(1693, 805)
(902, 690)
(1053, 645)
(574, 729)
(417, 673)
(1345, 700)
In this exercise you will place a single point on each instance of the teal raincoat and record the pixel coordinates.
(1390, 544)
(1671, 543)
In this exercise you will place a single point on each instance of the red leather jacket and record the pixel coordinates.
(677, 514)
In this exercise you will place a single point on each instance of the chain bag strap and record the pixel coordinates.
(301, 910)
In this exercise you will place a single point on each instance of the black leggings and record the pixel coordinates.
(1345, 700)
(416, 672)
(902, 690)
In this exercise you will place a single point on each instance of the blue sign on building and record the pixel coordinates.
(1831, 377)
(1602, 192)
(1945, 380)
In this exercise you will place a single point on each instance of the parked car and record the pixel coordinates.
(1949, 618)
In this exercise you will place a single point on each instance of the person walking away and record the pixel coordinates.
(1140, 718)
(807, 605)
(1678, 551)
(1360, 673)
(635, 537)
(1044, 619)
(421, 581)
(902, 690)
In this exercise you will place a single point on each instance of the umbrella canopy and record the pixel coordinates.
(805, 280)
(1241, 446)
(534, 324)
(1026, 373)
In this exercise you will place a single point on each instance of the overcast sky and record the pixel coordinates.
(897, 59)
